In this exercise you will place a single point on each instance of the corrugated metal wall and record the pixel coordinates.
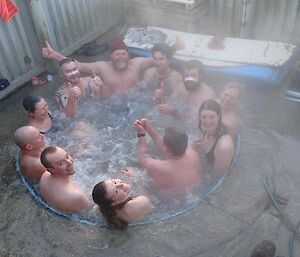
(260, 19)
(68, 24)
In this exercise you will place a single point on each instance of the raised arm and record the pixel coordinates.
(146, 123)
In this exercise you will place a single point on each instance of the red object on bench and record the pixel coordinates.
(7, 10)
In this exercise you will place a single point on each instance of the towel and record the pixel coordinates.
(7, 10)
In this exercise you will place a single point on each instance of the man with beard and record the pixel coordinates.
(56, 185)
(190, 95)
(76, 89)
(120, 74)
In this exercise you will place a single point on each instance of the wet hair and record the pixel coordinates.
(164, 49)
(65, 61)
(29, 102)
(193, 64)
(44, 160)
(108, 211)
(215, 107)
(265, 248)
(176, 140)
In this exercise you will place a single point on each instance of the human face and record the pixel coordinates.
(117, 190)
(120, 59)
(191, 79)
(160, 61)
(70, 72)
(209, 121)
(228, 98)
(41, 109)
(61, 162)
(37, 140)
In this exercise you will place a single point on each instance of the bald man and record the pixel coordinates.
(31, 143)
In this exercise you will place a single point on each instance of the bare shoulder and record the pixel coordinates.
(137, 208)
(225, 144)
(209, 91)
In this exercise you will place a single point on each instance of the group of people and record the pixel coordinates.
(181, 95)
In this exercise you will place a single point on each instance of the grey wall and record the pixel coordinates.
(67, 24)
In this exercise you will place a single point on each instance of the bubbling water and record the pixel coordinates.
(102, 141)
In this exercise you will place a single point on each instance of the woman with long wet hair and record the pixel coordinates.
(215, 143)
(117, 206)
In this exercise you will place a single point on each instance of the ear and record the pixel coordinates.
(30, 114)
(51, 170)
(28, 147)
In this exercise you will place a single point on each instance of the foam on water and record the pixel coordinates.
(102, 141)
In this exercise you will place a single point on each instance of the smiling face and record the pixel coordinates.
(70, 72)
(117, 190)
(120, 59)
(161, 61)
(61, 163)
(209, 121)
(228, 98)
(41, 109)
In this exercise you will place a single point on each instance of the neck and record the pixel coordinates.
(33, 153)
(164, 73)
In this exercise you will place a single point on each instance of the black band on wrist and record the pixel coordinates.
(141, 134)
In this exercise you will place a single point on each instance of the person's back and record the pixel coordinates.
(182, 168)
(56, 186)
(178, 174)
(63, 193)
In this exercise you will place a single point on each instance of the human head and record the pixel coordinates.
(230, 94)
(119, 54)
(57, 161)
(210, 118)
(162, 55)
(265, 248)
(69, 70)
(175, 140)
(108, 195)
(36, 106)
(29, 138)
(192, 75)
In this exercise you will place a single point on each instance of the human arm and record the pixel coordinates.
(67, 98)
(146, 123)
(98, 87)
(224, 153)
(137, 209)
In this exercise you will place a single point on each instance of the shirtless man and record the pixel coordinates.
(31, 143)
(120, 74)
(182, 168)
(76, 89)
(161, 78)
(56, 185)
(189, 95)
(228, 100)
